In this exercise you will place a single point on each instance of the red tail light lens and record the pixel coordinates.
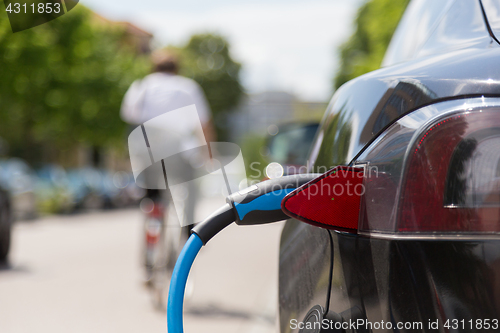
(331, 200)
(436, 170)
(452, 182)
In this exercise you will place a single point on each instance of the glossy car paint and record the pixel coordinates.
(454, 55)
(305, 260)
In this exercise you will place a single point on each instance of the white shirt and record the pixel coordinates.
(159, 93)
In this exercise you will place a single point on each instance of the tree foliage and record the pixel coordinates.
(62, 83)
(206, 59)
(365, 49)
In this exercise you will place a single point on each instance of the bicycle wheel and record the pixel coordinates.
(172, 239)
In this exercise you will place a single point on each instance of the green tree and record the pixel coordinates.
(206, 59)
(62, 83)
(365, 49)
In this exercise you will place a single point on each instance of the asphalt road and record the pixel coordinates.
(82, 273)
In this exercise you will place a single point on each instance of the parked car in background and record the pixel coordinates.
(52, 190)
(5, 224)
(85, 187)
(17, 177)
(93, 188)
(423, 254)
(289, 147)
(129, 194)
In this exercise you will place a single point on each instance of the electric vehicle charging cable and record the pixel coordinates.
(257, 204)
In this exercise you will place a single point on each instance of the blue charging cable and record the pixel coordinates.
(178, 283)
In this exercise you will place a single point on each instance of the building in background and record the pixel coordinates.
(137, 37)
(134, 36)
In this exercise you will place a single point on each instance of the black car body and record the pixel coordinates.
(443, 63)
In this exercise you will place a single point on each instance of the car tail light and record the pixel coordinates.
(436, 170)
(452, 181)
(331, 200)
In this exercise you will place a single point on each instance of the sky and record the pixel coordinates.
(285, 45)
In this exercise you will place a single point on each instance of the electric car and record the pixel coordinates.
(424, 252)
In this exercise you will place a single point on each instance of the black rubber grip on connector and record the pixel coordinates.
(217, 221)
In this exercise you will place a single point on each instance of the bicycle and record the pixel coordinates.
(163, 241)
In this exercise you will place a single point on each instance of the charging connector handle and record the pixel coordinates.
(261, 203)
(257, 204)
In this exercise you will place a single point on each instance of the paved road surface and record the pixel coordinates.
(72, 274)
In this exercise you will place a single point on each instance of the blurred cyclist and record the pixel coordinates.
(162, 91)
(157, 93)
